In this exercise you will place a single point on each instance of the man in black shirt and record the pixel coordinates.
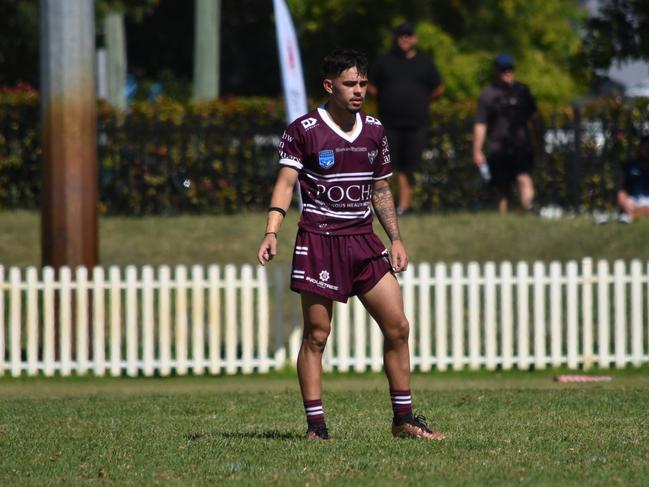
(405, 81)
(633, 197)
(504, 110)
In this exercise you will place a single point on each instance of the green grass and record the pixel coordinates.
(503, 429)
(429, 238)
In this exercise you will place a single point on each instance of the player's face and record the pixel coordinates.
(347, 90)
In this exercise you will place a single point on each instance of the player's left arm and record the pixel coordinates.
(385, 211)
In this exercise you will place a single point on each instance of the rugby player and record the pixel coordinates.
(340, 157)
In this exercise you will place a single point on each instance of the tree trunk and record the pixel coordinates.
(207, 55)
(116, 58)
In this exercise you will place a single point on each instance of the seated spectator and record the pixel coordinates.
(633, 197)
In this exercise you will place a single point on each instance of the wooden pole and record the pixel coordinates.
(207, 49)
(69, 205)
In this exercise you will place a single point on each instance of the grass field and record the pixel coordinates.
(510, 428)
(429, 238)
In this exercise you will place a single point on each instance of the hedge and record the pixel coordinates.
(220, 157)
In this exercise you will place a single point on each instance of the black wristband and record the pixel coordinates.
(277, 209)
(268, 233)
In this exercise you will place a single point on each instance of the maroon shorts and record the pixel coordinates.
(338, 266)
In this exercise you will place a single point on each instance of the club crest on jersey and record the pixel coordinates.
(326, 158)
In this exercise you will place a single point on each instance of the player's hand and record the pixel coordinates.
(399, 256)
(267, 249)
(479, 159)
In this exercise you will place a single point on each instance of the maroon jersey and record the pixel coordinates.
(336, 170)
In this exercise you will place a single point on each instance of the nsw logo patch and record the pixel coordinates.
(326, 158)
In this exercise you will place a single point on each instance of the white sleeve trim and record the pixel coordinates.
(291, 162)
(382, 177)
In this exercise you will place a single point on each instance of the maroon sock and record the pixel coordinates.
(314, 412)
(401, 402)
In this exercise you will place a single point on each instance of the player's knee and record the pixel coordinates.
(398, 331)
(316, 338)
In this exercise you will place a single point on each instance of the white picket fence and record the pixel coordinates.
(218, 320)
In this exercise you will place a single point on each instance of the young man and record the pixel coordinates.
(504, 110)
(341, 159)
(405, 81)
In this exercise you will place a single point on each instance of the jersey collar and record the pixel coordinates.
(324, 115)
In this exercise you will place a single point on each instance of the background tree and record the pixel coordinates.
(18, 42)
(463, 36)
(620, 31)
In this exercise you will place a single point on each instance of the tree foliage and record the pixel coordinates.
(619, 31)
(462, 36)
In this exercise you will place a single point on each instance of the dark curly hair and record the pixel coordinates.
(339, 60)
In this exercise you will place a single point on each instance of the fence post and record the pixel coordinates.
(230, 319)
(181, 320)
(441, 346)
(376, 346)
(360, 336)
(457, 312)
(603, 314)
(198, 320)
(115, 321)
(262, 320)
(408, 287)
(164, 319)
(587, 312)
(49, 320)
(556, 312)
(341, 314)
(572, 304)
(65, 320)
(539, 316)
(82, 320)
(132, 343)
(636, 313)
(247, 334)
(280, 335)
(523, 315)
(491, 340)
(424, 317)
(32, 321)
(148, 344)
(619, 287)
(506, 343)
(214, 297)
(474, 315)
(98, 319)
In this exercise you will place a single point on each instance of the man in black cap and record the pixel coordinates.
(405, 81)
(504, 110)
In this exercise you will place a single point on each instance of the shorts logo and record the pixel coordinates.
(324, 276)
(326, 158)
(308, 122)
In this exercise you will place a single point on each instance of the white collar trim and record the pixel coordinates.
(332, 125)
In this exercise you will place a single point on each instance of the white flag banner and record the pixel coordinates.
(289, 56)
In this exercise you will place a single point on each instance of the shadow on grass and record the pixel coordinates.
(259, 435)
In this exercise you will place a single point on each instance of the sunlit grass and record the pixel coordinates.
(429, 238)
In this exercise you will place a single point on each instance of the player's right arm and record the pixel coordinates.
(280, 199)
